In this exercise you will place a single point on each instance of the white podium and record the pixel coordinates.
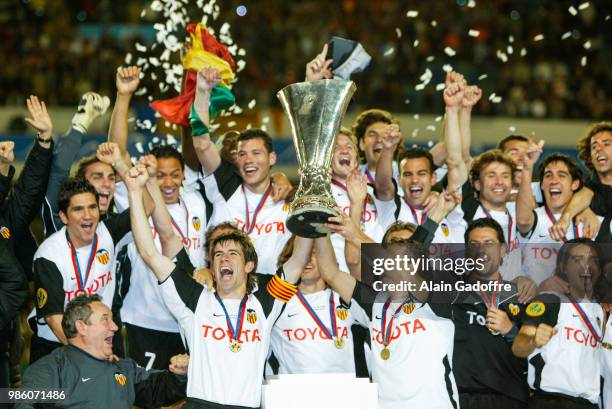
(307, 391)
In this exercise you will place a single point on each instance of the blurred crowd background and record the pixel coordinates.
(60, 49)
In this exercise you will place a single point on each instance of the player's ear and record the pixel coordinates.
(477, 185)
(80, 327)
(63, 217)
(249, 266)
(272, 158)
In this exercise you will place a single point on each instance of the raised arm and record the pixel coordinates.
(127, 81)
(209, 157)
(162, 266)
(302, 249)
(580, 201)
(342, 283)
(171, 244)
(525, 202)
(357, 190)
(385, 188)
(318, 68)
(457, 170)
(471, 97)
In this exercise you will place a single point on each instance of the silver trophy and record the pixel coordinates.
(315, 110)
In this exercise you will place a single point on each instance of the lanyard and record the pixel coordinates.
(553, 220)
(510, 225)
(371, 180)
(184, 237)
(388, 328)
(414, 214)
(494, 301)
(250, 225)
(75, 261)
(234, 331)
(586, 320)
(332, 315)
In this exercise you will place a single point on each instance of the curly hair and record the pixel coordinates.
(486, 158)
(584, 143)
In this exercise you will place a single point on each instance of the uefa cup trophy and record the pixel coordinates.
(315, 110)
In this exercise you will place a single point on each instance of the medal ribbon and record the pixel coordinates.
(343, 187)
(184, 237)
(510, 225)
(90, 261)
(250, 225)
(387, 328)
(234, 334)
(586, 320)
(553, 220)
(332, 314)
(414, 214)
(369, 176)
(494, 301)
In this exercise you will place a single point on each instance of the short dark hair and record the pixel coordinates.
(255, 133)
(573, 168)
(72, 187)
(501, 145)
(78, 309)
(484, 223)
(211, 230)
(488, 157)
(398, 226)
(414, 153)
(240, 237)
(168, 152)
(584, 143)
(85, 163)
(368, 118)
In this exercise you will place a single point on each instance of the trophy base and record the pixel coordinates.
(310, 222)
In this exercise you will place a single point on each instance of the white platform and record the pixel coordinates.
(322, 391)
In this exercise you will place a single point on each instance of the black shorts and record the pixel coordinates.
(152, 349)
(546, 401)
(489, 401)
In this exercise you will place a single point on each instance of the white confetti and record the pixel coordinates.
(139, 147)
(438, 118)
(412, 13)
(572, 10)
(156, 6)
(510, 39)
(608, 17)
(583, 6)
(171, 139)
(240, 65)
(251, 104)
(471, 4)
(430, 58)
(492, 96)
(426, 76)
(538, 37)
(449, 51)
(231, 124)
(416, 116)
(389, 52)
(140, 48)
(440, 86)
(128, 58)
(509, 50)
(502, 56)
(241, 52)
(131, 119)
(473, 33)
(154, 61)
(416, 43)
(523, 52)
(583, 61)
(431, 128)
(236, 109)
(512, 128)
(434, 23)
(447, 68)
(419, 87)
(415, 132)
(406, 101)
(566, 35)
(141, 91)
(143, 13)
(497, 100)
(398, 32)
(482, 77)
(265, 119)
(587, 45)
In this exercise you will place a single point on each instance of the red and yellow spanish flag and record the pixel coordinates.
(205, 51)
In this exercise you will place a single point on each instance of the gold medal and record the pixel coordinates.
(385, 354)
(235, 346)
(339, 342)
